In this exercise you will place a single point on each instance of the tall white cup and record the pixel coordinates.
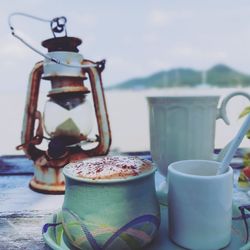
(200, 205)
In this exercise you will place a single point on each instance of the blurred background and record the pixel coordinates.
(152, 47)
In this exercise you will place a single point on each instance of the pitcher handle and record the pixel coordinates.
(222, 113)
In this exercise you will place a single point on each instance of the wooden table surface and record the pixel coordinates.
(23, 211)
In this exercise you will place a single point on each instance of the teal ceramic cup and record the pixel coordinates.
(110, 213)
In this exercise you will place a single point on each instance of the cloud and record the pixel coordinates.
(14, 50)
(150, 38)
(87, 20)
(195, 53)
(162, 18)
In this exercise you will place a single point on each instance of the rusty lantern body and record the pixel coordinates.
(68, 92)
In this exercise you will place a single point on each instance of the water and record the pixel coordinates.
(128, 115)
(128, 111)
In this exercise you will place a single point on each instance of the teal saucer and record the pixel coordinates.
(53, 233)
(54, 236)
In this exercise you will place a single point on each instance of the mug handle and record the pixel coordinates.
(221, 112)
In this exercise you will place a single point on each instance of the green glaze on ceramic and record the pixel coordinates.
(111, 214)
(54, 234)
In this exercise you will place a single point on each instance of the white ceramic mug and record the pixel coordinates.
(183, 127)
(200, 204)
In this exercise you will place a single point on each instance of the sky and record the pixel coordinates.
(137, 38)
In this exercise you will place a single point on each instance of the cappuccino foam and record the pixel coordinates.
(109, 167)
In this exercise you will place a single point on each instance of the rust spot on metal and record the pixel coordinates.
(62, 44)
(43, 169)
(101, 65)
(58, 174)
(68, 85)
(41, 188)
(20, 147)
(59, 162)
(30, 113)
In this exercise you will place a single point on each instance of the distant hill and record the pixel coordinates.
(218, 76)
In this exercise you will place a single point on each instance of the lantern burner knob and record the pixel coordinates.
(57, 147)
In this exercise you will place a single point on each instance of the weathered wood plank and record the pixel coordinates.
(16, 165)
(24, 212)
(21, 165)
(22, 233)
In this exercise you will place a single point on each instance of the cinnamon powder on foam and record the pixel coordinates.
(109, 167)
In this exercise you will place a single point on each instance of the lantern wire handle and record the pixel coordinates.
(60, 26)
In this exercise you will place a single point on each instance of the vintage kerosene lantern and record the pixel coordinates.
(67, 119)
